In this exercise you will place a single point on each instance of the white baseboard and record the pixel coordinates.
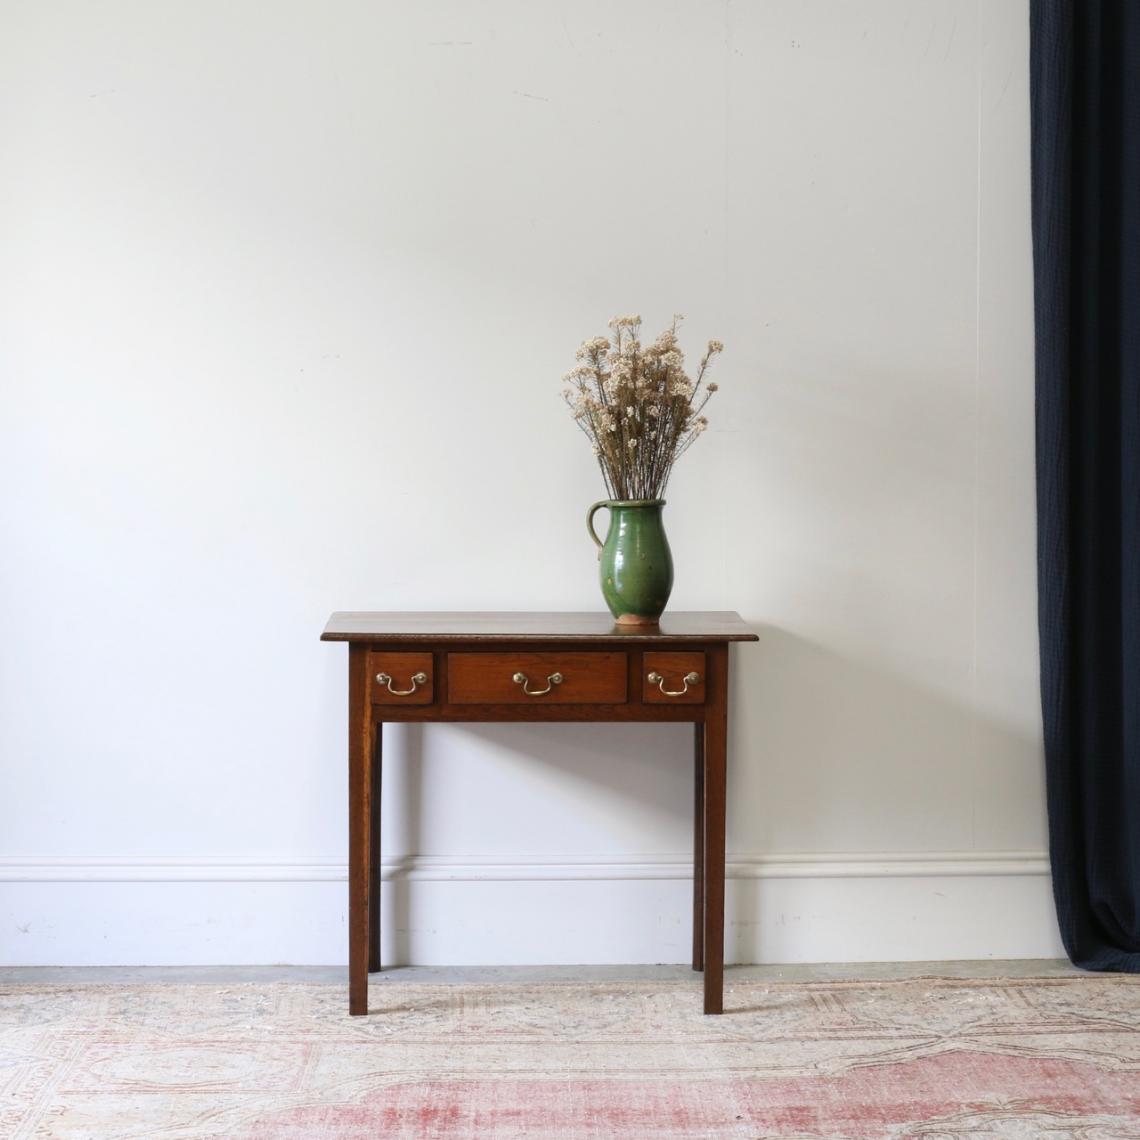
(132, 910)
(458, 868)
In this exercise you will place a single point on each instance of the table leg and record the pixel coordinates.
(359, 827)
(374, 853)
(716, 757)
(699, 846)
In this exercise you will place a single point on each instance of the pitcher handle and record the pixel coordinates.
(590, 522)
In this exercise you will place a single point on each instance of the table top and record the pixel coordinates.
(596, 628)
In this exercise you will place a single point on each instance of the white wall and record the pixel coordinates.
(285, 296)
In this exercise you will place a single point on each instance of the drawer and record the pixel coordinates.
(531, 678)
(673, 678)
(402, 678)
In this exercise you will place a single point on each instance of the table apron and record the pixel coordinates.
(550, 714)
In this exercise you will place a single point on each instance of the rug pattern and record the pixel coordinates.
(914, 1059)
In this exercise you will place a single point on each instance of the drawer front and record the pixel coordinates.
(401, 678)
(532, 678)
(673, 678)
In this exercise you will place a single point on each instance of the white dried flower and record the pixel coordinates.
(622, 395)
(592, 347)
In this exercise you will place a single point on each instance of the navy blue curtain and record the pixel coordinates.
(1085, 98)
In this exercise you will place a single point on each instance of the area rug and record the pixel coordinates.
(929, 1058)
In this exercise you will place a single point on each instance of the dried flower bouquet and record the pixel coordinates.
(637, 406)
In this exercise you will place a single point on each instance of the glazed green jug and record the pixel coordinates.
(636, 568)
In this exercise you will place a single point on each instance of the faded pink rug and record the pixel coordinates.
(929, 1058)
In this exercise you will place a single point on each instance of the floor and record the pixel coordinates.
(967, 1050)
(814, 972)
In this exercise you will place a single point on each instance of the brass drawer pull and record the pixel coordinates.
(417, 680)
(655, 678)
(551, 681)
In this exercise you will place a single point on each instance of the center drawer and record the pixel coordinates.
(556, 678)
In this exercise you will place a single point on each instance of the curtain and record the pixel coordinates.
(1085, 107)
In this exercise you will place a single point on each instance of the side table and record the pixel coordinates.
(456, 667)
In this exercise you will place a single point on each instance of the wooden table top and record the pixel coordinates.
(597, 628)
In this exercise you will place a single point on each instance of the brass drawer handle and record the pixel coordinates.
(655, 678)
(551, 681)
(417, 680)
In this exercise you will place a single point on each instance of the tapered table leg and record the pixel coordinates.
(716, 750)
(359, 827)
(374, 852)
(699, 847)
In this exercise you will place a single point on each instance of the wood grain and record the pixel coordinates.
(359, 827)
(698, 847)
(590, 677)
(597, 628)
(374, 851)
(716, 764)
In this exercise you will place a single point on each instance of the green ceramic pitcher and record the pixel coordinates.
(636, 567)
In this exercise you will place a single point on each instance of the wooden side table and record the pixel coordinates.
(449, 667)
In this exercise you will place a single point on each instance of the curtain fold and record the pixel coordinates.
(1085, 106)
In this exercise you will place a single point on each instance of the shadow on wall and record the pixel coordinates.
(837, 754)
(530, 793)
(397, 916)
(830, 755)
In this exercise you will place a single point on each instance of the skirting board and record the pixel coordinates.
(223, 869)
(474, 911)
